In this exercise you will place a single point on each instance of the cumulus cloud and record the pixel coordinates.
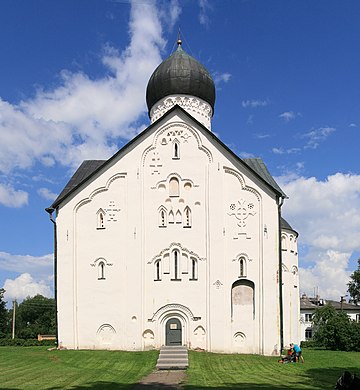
(315, 136)
(82, 117)
(25, 286)
(254, 103)
(12, 198)
(327, 215)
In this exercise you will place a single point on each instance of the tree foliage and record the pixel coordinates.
(335, 330)
(35, 316)
(4, 319)
(354, 285)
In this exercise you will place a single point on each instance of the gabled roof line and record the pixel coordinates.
(60, 198)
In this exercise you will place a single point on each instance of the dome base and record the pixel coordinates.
(195, 106)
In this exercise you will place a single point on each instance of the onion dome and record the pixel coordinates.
(180, 74)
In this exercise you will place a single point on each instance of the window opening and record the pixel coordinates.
(101, 270)
(193, 269)
(157, 270)
(187, 222)
(176, 265)
(176, 150)
(162, 218)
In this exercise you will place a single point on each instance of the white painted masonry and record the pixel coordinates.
(175, 226)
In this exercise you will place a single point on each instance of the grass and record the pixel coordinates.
(37, 368)
(320, 371)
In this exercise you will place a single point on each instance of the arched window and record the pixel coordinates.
(101, 219)
(158, 270)
(187, 217)
(162, 217)
(174, 187)
(193, 269)
(242, 266)
(171, 217)
(283, 243)
(176, 265)
(101, 270)
(176, 150)
(178, 216)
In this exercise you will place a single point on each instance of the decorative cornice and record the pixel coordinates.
(174, 307)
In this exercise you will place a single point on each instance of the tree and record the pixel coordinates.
(3, 315)
(335, 330)
(35, 316)
(354, 285)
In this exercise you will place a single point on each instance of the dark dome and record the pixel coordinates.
(180, 74)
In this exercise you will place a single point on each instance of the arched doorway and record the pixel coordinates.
(173, 331)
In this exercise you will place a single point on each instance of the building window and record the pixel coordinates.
(158, 270)
(242, 267)
(162, 217)
(176, 150)
(101, 274)
(187, 217)
(308, 317)
(193, 269)
(357, 318)
(308, 333)
(176, 264)
(174, 187)
(100, 219)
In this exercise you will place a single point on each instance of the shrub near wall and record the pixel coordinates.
(26, 342)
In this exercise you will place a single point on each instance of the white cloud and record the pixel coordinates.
(25, 286)
(42, 266)
(317, 135)
(353, 125)
(221, 77)
(285, 151)
(10, 197)
(82, 117)
(327, 216)
(287, 116)
(205, 7)
(254, 103)
(46, 194)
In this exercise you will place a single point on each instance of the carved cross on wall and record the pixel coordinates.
(241, 211)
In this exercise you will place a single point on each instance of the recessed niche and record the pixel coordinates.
(197, 203)
(187, 186)
(162, 187)
(168, 200)
(181, 200)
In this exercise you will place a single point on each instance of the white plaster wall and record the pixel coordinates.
(129, 309)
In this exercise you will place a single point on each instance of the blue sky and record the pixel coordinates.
(72, 87)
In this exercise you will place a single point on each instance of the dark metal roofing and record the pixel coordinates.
(180, 74)
(258, 165)
(285, 225)
(90, 167)
(83, 172)
(307, 303)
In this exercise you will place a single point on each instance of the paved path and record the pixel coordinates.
(162, 379)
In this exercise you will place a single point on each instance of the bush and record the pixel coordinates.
(26, 342)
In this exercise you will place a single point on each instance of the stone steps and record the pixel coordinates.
(173, 358)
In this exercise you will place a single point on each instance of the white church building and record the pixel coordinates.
(175, 240)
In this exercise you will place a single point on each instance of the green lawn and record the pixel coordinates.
(37, 368)
(320, 371)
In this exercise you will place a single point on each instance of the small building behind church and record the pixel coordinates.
(175, 240)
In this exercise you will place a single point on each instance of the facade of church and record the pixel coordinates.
(175, 240)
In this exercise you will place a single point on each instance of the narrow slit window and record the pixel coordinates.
(100, 220)
(176, 150)
(162, 218)
(242, 265)
(187, 217)
(158, 270)
(176, 265)
(193, 269)
(101, 271)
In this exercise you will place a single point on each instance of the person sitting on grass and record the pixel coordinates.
(297, 352)
(288, 357)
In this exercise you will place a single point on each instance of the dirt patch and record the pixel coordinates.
(162, 379)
